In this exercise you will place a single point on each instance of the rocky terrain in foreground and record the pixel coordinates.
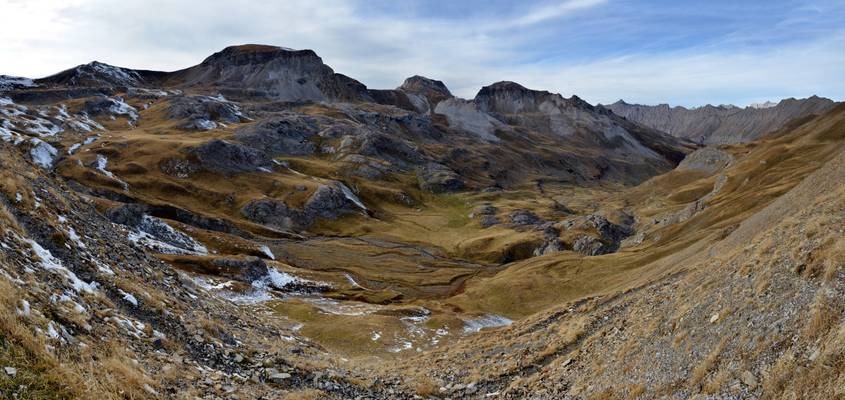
(260, 226)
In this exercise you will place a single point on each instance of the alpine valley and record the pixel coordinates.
(261, 226)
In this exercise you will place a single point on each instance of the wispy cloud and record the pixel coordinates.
(551, 11)
(718, 51)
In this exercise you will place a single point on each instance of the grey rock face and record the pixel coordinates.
(327, 201)
(721, 124)
(589, 246)
(96, 74)
(222, 157)
(392, 150)
(274, 213)
(438, 178)
(707, 159)
(524, 218)
(203, 112)
(277, 72)
(126, 214)
(549, 247)
(248, 269)
(102, 105)
(609, 238)
(430, 92)
(486, 215)
(289, 135)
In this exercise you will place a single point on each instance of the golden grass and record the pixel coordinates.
(707, 364)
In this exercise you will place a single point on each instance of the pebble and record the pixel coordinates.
(748, 379)
(11, 371)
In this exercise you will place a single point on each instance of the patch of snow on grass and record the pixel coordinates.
(347, 192)
(267, 252)
(485, 321)
(50, 263)
(129, 297)
(42, 153)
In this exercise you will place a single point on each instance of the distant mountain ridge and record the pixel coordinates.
(722, 124)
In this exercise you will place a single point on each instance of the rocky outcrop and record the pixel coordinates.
(589, 245)
(289, 135)
(486, 215)
(602, 236)
(327, 202)
(222, 157)
(438, 178)
(524, 218)
(466, 116)
(204, 112)
(721, 124)
(707, 159)
(425, 93)
(249, 269)
(274, 213)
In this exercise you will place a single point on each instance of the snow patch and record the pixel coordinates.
(10, 82)
(158, 236)
(485, 321)
(129, 297)
(347, 192)
(267, 252)
(42, 153)
(50, 263)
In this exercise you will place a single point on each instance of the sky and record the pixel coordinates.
(643, 51)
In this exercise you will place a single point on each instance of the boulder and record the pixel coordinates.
(524, 218)
(247, 269)
(589, 246)
(438, 178)
(274, 213)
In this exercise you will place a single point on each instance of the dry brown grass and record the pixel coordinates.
(40, 375)
(824, 314)
(704, 367)
(306, 394)
(426, 387)
(636, 390)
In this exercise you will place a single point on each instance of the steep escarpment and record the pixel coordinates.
(721, 124)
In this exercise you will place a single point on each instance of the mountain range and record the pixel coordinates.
(261, 226)
(722, 124)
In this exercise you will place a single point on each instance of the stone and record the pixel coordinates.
(11, 371)
(589, 245)
(279, 377)
(748, 378)
(438, 178)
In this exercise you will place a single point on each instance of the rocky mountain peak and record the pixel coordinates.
(508, 97)
(271, 71)
(422, 85)
(424, 92)
(96, 74)
(257, 54)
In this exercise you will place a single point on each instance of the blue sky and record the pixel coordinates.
(678, 52)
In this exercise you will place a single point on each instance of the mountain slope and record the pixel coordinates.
(721, 124)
